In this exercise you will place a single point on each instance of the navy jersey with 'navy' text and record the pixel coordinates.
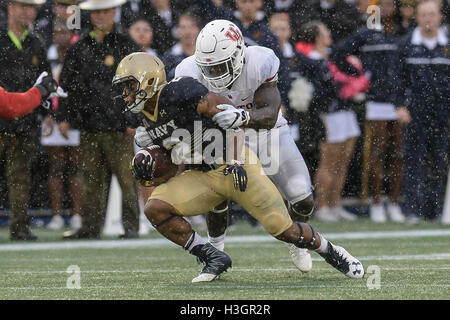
(176, 119)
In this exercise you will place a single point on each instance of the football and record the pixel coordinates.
(163, 161)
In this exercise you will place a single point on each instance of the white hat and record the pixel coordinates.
(101, 4)
(31, 2)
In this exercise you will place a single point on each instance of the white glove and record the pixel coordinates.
(39, 79)
(142, 138)
(60, 93)
(230, 117)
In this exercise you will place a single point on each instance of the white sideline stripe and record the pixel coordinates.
(139, 243)
(228, 286)
(235, 269)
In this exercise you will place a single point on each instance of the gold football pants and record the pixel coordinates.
(195, 192)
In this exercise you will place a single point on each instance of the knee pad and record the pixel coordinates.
(302, 210)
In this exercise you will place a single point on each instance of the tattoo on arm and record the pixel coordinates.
(267, 102)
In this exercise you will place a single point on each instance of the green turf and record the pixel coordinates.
(260, 271)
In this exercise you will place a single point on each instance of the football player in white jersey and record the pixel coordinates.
(248, 77)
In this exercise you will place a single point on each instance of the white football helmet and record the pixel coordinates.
(219, 53)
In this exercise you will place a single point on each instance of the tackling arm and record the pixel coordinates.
(207, 106)
(267, 102)
(212, 104)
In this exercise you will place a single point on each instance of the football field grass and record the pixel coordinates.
(407, 262)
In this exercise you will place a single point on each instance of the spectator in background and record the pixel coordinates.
(188, 29)
(280, 26)
(249, 18)
(302, 124)
(88, 69)
(298, 11)
(52, 11)
(407, 12)
(141, 32)
(425, 111)
(130, 12)
(63, 151)
(163, 15)
(341, 126)
(23, 59)
(377, 49)
(340, 17)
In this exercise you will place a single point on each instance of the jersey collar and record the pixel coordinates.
(417, 38)
(153, 117)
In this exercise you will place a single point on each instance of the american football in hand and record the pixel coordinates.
(162, 166)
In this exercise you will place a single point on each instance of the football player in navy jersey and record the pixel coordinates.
(185, 108)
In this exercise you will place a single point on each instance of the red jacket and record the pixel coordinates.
(13, 105)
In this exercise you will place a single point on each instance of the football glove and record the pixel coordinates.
(239, 175)
(46, 85)
(142, 138)
(143, 170)
(49, 89)
(230, 117)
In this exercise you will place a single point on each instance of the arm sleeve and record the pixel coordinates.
(13, 105)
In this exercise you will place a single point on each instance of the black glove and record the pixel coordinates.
(47, 86)
(143, 170)
(239, 176)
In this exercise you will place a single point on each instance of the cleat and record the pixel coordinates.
(205, 277)
(300, 257)
(341, 260)
(215, 261)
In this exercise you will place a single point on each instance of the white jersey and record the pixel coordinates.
(285, 167)
(261, 66)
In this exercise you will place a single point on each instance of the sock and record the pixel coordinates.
(218, 242)
(323, 245)
(195, 243)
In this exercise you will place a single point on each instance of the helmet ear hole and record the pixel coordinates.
(151, 82)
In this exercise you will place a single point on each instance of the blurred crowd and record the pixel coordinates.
(364, 86)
